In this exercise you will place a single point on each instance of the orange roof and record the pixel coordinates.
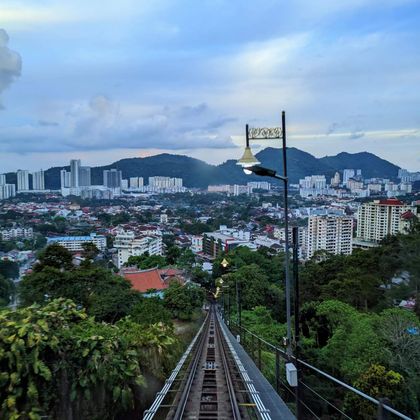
(143, 280)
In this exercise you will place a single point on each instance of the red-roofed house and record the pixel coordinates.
(153, 278)
(407, 220)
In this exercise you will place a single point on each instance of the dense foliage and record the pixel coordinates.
(56, 360)
(349, 323)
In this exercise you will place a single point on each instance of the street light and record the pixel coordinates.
(250, 165)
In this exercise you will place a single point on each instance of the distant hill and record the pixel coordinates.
(196, 173)
(371, 165)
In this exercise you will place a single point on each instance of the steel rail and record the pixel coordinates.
(182, 402)
(236, 414)
(149, 414)
(261, 410)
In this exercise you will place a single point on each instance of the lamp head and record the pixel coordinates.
(247, 159)
(224, 263)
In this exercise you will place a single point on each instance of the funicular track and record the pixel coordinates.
(212, 386)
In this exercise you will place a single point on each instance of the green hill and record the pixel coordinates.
(196, 173)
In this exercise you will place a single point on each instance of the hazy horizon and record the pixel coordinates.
(105, 162)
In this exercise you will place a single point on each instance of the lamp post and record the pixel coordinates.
(225, 264)
(250, 165)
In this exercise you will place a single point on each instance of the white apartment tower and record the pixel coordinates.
(380, 218)
(347, 174)
(22, 180)
(2, 179)
(38, 180)
(75, 172)
(65, 179)
(84, 176)
(329, 233)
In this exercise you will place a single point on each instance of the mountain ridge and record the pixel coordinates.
(197, 173)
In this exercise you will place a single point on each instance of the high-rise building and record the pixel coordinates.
(134, 182)
(124, 184)
(329, 233)
(74, 171)
(380, 218)
(347, 174)
(163, 182)
(335, 181)
(112, 178)
(7, 191)
(84, 176)
(38, 180)
(259, 185)
(22, 180)
(65, 179)
(2, 179)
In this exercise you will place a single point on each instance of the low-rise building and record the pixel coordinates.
(224, 240)
(75, 243)
(17, 233)
(129, 245)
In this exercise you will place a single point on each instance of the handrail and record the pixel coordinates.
(259, 405)
(325, 374)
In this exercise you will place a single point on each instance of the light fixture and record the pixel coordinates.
(224, 263)
(247, 159)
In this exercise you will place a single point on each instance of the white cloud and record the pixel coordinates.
(10, 63)
(102, 124)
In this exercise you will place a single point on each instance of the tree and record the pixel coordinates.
(378, 382)
(54, 256)
(354, 343)
(186, 259)
(150, 310)
(147, 261)
(9, 269)
(172, 254)
(182, 301)
(7, 289)
(90, 250)
(57, 362)
(105, 295)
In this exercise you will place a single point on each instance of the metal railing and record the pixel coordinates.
(320, 394)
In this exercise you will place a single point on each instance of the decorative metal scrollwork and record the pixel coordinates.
(266, 133)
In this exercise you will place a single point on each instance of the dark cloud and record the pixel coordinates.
(10, 63)
(44, 123)
(356, 135)
(332, 128)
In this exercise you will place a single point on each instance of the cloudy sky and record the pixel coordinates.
(101, 80)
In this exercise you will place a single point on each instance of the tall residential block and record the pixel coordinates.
(2, 179)
(65, 179)
(22, 180)
(38, 180)
(84, 176)
(380, 218)
(112, 178)
(329, 233)
(74, 171)
(347, 174)
(7, 191)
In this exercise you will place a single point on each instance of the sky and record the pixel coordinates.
(104, 80)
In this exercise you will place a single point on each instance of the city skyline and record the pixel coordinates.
(163, 79)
